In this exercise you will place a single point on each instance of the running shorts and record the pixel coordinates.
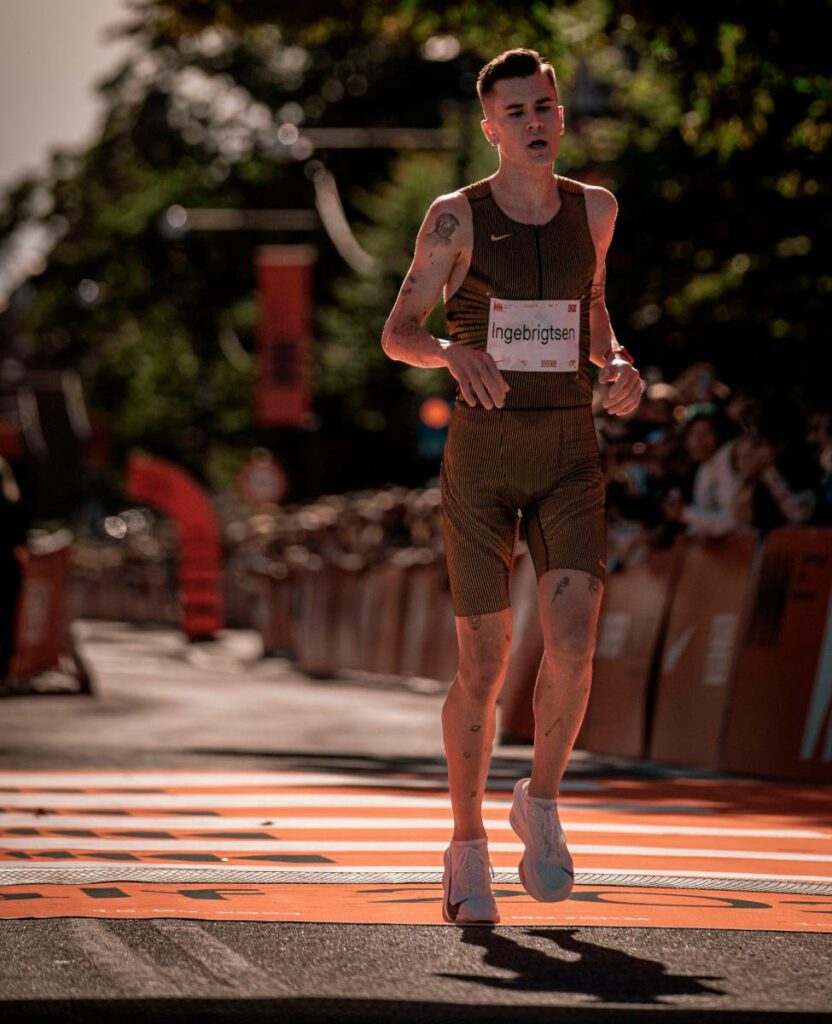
(541, 464)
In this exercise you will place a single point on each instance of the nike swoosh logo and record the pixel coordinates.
(453, 909)
(499, 238)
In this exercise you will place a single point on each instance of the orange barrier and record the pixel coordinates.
(41, 630)
(633, 618)
(170, 489)
(780, 716)
(711, 596)
(40, 624)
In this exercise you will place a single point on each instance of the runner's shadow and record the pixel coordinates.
(607, 974)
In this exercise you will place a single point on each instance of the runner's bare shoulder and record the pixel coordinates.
(447, 224)
(601, 207)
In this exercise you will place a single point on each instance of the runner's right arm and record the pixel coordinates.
(443, 242)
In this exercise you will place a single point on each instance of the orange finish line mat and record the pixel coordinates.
(660, 852)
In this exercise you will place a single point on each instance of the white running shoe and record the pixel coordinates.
(466, 886)
(546, 868)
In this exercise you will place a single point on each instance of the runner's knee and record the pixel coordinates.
(484, 647)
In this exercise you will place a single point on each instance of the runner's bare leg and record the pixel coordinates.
(569, 601)
(469, 714)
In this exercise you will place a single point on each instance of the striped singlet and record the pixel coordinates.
(537, 457)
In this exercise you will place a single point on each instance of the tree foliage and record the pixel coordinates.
(710, 126)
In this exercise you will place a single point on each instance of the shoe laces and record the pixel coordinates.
(550, 827)
(473, 860)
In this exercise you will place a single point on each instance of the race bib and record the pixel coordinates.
(535, 334)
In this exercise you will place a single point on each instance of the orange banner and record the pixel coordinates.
(284, 343)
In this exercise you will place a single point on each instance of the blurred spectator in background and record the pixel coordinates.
(779, 482)
(12, 546)
(703, 503)
(819, 440)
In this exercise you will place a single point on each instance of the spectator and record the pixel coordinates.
(819, 439)
(778, 482)
(715, 482)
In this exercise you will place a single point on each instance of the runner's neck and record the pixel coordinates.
(527, 198)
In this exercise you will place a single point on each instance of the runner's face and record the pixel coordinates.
(523, 118)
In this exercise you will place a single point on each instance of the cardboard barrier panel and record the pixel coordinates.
(380, 618)
(316, 596)
(348, 580)
(440, 652)
(712, 593)
(422, 589)
(40, 624)
(633, 618)
(274, 610)
(780, 716)
(517, 696)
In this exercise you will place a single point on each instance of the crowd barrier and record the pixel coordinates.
(779, 717)
(631, 629)
(710, 596)
(123, 593)
(42, 640)
(714, 654)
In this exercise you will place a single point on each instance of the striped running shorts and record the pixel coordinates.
(540, 464)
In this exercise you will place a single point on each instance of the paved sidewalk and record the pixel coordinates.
(182, 719)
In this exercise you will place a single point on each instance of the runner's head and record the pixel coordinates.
(519, 97)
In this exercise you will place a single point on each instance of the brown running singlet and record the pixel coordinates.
(538, 455)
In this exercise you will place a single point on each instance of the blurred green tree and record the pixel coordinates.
(711, 128)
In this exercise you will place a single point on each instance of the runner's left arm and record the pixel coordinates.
(604, 347)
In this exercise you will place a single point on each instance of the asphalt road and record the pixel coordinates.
(161, 703)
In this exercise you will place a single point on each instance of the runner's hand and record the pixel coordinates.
(627, 386)
(477, 375)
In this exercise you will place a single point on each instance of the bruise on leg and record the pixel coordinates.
(475, 728)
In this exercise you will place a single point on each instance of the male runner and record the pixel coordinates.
(521, 258)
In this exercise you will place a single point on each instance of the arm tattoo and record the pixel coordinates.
(443, 228)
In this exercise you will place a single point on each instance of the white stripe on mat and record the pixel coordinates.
(214, 823)
(205, 780)
(381, 846)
